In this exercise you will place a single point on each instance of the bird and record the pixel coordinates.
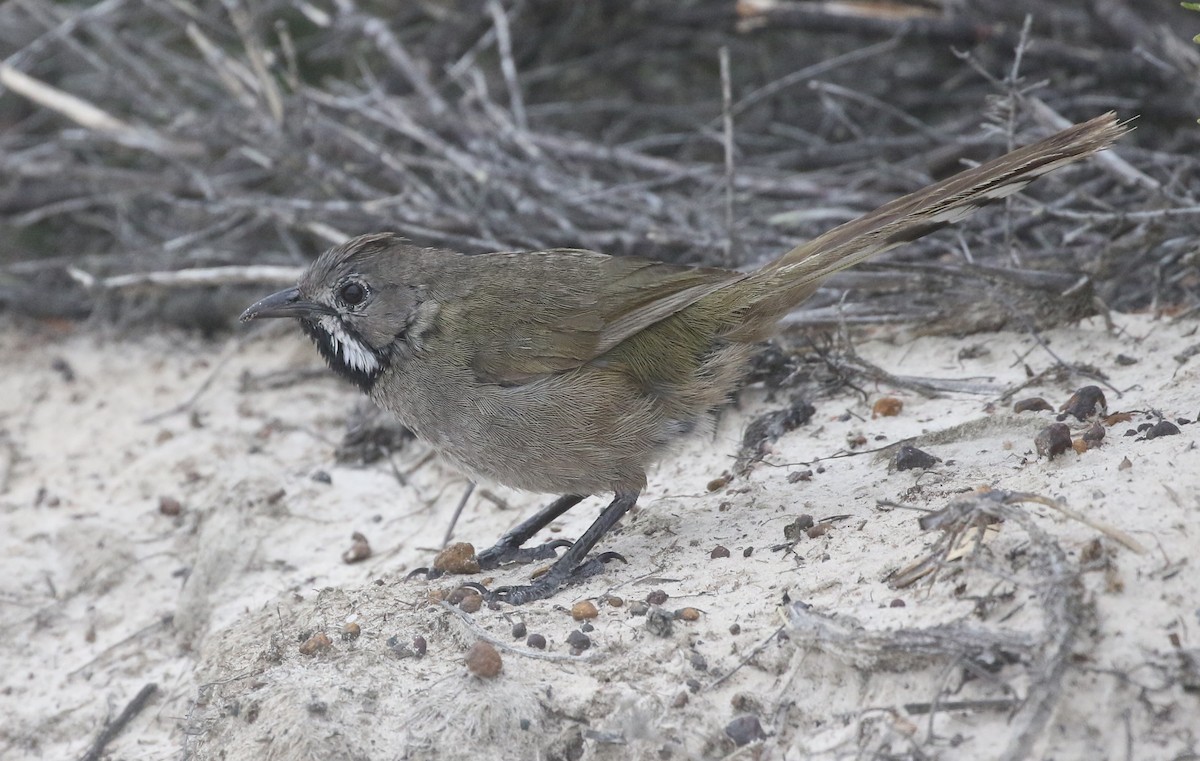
(571, 372)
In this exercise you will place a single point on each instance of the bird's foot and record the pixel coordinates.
(558, 577)
(502, 553)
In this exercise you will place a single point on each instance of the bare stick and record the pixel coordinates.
(253, 274)
(90, 116)
(457, 513)
(508, 66)
(727, 132)
(109, 733)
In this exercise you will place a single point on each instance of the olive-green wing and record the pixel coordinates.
(564, 308)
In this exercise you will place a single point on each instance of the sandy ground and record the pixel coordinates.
(200, 551)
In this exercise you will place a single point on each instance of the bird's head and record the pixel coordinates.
(358, 304)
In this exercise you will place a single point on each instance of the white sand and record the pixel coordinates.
(103, 594)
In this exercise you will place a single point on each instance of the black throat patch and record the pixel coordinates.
(346, 353)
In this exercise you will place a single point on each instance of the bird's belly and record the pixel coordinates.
(576, 433)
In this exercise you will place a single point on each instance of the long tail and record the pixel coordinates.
(778, 287)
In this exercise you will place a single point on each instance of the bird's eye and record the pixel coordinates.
(352, 294)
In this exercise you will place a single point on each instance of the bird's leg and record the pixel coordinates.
(509, 549)
(571, 567)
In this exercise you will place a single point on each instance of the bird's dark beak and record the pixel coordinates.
(286, 303)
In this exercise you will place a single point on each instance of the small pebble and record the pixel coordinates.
(518, 630)
(360, 549)
(638, 608)
(419, 645)
(657, 597)
(909, 457)
(484, 661)
(1162, 428)
(819, 530)
(536, 641)
(579, 641)
(1033, 404)
(747, 552)
(658, 622)
(1053, 440)
(317, 643)
(584, 610)
(799, 475)
(351, 631)
(719, 552)
(687, 614)
(1094, 434)
(794, 531)
(681, 699)
(471, 603)
(693, 685)
(744, 702)
(886, 406)
(169, 506)
(744, 730)
(322, 477)
(399, 649)
(586, 627)
(1125, 359)
(698, 661)
(897, 603)
(614, 601)
(1085, 403)
(735, 629)
(457, 558)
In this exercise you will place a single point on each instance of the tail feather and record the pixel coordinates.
(781, 285)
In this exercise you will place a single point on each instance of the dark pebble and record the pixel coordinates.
(747, 552)
(693, 685)
(1053, 440)
(1094, 434)
(1033, 404)
(1125, 359)
(322, 477)
(536, 641)
(909, 457)
(794, 531)
(659, 622)
(638, 608)
(579, 641)
(657, 597)
(1086, 402)
(799, 475)
(897, 603)
(419, 645)
(735, 629)
(698, 661)
(719, 552)
(744, 730)
(1162, 428)
(518, 630)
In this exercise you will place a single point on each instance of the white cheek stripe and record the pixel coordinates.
(351, 351)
